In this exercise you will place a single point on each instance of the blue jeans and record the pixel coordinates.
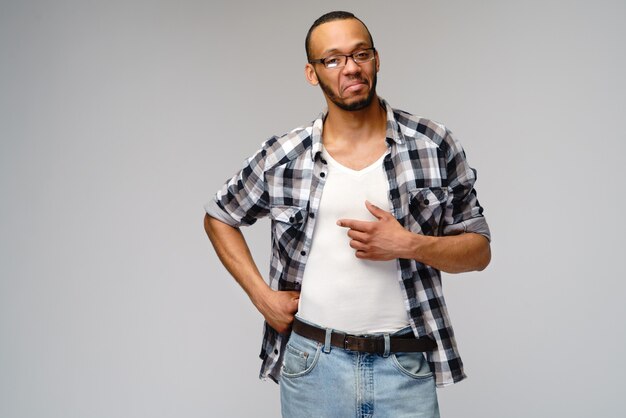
(319, 381)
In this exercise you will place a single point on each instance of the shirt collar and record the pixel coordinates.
(393, 129)
(316, 135)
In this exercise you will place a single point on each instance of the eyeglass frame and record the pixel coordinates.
(346, 56)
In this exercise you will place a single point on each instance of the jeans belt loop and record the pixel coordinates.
(329, 333)
(346, 342)
(387, 345)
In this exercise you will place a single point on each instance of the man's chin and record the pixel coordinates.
(358, 104)
(353, 107)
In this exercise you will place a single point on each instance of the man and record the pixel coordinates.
(367, 204)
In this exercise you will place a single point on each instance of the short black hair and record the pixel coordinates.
(329, 17)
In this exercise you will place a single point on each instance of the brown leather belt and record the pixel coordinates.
(375, 344)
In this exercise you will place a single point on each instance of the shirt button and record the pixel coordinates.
(302, 252)
(322, 174)
(275, 351)
(426, 201)
(292, 219)
(311, 215)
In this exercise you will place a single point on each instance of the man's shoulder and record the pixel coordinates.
(416, 128)
(281, 149)
(418, 131)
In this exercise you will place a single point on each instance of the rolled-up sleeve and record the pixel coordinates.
(463, 211)
(242, 199)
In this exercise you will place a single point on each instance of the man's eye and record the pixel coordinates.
(361, 55)
(332, 61)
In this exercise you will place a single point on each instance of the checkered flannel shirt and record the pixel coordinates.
(431, 192)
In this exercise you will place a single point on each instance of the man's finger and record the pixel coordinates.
(362, 255)
(357, 245)
(375, 210)
(354, 224)
(357, 235)
(294, 306)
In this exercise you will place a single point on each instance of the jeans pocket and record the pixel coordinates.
(412, 364)
(299, 360)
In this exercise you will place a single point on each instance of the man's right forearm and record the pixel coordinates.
(233, 252)
(230, 245)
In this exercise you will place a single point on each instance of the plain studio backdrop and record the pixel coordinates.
(119, 119)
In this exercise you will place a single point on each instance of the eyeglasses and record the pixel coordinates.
(340, 60)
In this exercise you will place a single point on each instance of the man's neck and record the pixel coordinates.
(345, 128)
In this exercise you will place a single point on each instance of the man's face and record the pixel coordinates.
(353, 86)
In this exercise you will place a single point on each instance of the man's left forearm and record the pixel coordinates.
(452, 254)
(386, 239)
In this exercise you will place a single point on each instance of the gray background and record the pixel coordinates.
(119, 119)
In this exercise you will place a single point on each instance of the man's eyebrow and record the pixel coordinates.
(358, 45)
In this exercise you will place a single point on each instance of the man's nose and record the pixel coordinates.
(351, 66)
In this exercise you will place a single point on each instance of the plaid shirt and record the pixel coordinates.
(430, 192)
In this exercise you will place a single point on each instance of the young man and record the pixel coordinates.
(368, 204)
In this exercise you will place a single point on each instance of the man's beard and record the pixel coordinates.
(358, 105)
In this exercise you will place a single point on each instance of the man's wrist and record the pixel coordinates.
(259, 292)
(415, 244)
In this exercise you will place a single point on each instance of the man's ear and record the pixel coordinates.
(310, 74)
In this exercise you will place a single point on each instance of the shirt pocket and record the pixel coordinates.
(288, 214)
(288, 225)
(426, 209)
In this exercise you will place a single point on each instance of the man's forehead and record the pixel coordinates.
(339, 35)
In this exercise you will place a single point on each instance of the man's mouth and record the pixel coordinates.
(353, 86)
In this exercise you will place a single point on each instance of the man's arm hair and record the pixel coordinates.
(453, 253)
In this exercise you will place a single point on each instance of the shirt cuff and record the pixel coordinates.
(477, 225)
(215, 211)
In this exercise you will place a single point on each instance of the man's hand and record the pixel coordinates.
(383, 239)
(386, 239)
(278, 308)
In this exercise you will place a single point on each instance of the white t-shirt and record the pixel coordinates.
(340, 291)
